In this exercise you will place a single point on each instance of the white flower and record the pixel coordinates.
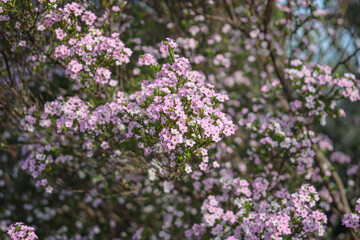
(152, 174)
(188, 168)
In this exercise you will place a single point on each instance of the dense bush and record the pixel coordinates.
(213, 119)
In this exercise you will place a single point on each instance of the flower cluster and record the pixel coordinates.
(84, 51)
(146, 60)
(315, 87)
(283, 135)
(72, 14)
(182, 113)
(176, 116)
(168, 45)
(234, 208)
(274, 217)
(287, 133)
(89, 53)
(352, 220)
(19, 231)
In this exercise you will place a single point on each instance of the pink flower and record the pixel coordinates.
(115, 9)
(60, 34)
(147, 59)
(167, 45)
